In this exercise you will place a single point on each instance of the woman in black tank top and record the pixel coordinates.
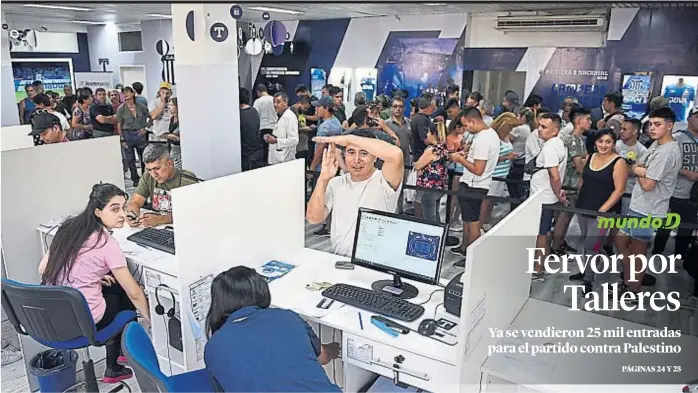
(603, 184)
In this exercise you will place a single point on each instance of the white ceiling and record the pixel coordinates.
(119, 12)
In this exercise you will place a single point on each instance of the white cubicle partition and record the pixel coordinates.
(43, 183)
(495, 284)
(15, 137)
(239, 219)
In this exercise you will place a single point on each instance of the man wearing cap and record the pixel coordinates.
(421, 125)
(329, 126)
(102, 115)
(160, 115)
(48, 127)
(383, 101)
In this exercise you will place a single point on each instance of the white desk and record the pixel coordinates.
(432, 363)
(435, 362)
(573, 372)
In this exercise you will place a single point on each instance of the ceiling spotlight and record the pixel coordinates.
(279, 10)
(435, 4)
(58, 7)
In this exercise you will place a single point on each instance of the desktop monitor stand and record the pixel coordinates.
(396, 288)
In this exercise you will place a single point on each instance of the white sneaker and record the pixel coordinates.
(486, 227)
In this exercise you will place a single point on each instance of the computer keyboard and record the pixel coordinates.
(370, 300)
(159, 239)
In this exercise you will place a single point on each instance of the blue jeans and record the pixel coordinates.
(643, 234)
(431, 202)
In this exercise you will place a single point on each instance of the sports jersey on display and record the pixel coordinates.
(636, 92)
(680, 98)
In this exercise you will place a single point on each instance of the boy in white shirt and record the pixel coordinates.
(551, 165)
(478, 166)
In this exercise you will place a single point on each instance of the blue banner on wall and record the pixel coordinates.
(418, 65)
(636, 94)
(318, 79)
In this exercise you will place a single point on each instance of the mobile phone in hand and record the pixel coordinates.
(132, 216)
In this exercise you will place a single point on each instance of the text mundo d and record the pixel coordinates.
(672, 221)
(601, 264)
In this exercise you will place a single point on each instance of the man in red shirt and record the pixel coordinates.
(48, 127)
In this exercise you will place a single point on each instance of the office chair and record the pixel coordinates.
(139, 352)
(60, 318)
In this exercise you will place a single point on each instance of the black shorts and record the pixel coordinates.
(546, 220)
(470, 207)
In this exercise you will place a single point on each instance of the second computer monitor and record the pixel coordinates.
(400, 245)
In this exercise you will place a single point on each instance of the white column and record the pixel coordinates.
(206, 69)
(10, 115)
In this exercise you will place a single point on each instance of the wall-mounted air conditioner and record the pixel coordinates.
(552, 23)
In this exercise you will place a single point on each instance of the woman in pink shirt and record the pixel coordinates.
(84, 255)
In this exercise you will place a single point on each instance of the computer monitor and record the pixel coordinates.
(403, 246)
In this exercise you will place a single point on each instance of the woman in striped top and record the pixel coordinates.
(503, 125)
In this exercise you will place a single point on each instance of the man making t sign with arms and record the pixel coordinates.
(363, 186)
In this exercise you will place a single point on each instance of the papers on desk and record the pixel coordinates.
(273, 270)
(200, 301)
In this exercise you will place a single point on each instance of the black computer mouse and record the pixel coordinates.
(427, 327)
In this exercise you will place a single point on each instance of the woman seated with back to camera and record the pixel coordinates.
(84, 256)
(254, 348)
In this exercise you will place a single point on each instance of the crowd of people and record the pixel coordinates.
(589, 158)
(575, 158)
(122, 111)
(594, 159)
